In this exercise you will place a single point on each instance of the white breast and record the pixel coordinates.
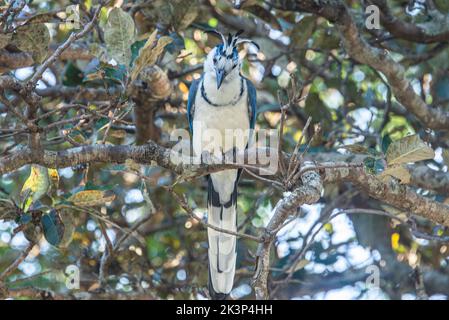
(230, 122)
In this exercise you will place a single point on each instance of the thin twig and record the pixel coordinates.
(281, 138)
(183, 203)
(277, 183)
(295, 162)
(8, 271)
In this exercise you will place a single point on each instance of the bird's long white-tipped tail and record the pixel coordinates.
(222, 213)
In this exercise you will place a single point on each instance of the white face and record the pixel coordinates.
(222, 61)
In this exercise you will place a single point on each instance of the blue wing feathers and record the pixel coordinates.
(252, 99)
(191, 101)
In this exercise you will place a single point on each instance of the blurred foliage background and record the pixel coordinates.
(96, 94)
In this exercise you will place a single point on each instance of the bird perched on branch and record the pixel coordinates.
(222, 102)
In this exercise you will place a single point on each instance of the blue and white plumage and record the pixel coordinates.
(222, 101)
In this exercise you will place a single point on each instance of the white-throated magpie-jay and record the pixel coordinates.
(223, 102)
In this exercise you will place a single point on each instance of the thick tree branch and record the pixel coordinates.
(393, 193)
(421, 175)
(307, 193)
(14, 60)
(405, 30)
(336, 12)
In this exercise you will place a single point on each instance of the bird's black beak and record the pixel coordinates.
(220, 77)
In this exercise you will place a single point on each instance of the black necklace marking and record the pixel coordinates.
(204, 95)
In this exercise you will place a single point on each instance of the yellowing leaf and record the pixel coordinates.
(408, 149)
(119, 34)
(54, 176)
(132, 165)
(395, 241)
(301, 264)
(35, 186)
(397, 171)
(182, 86)
(149, 53)
(91, 197)
(329, 228)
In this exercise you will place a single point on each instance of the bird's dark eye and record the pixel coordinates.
(215, 59)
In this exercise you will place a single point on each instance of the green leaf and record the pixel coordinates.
(104, 71)
(116, 74)
(379, 165)
(119, 34)
(72, 75)
(373, 165)
(33, 38)
(24, 219)
(398, 127)
(53, 227)
(135, 48)
(386, 141)
(408, 149)
(187, 14)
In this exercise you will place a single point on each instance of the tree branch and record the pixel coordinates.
(307, 193)
(337, 12)
(393, 193)
(405, 30)
(15, 60)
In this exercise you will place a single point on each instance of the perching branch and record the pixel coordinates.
(151, 153)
